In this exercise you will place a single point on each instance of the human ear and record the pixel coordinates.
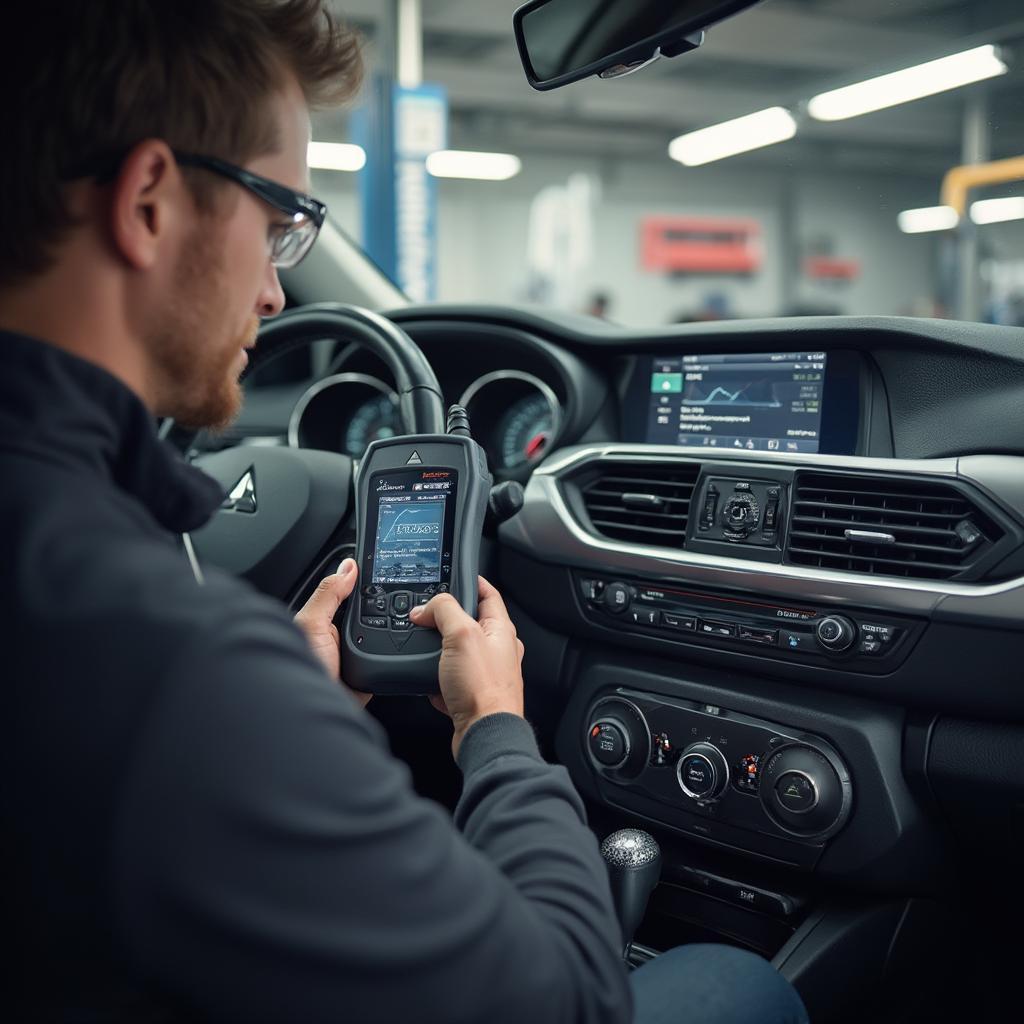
(142, 202)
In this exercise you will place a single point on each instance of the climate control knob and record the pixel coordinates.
(618, 739)
(805, 791)
(703, 772)
(836, 633)
(608, 740)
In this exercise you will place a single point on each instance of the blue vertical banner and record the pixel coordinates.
(421, 128)
(399, 128)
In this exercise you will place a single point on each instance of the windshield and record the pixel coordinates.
(600, 198)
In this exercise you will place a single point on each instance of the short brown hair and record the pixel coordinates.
(87, 80)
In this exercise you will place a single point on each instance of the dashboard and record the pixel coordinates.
(769, 574)
(770, 580)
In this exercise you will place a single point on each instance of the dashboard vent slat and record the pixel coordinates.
(641, 503)
(939, 533)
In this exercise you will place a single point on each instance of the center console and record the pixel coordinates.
(716, 772)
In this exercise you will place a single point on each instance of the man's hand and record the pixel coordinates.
(316, 620)
(481, 661)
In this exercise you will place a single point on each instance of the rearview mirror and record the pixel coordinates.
(562, 41)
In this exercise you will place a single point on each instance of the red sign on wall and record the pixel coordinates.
(700, 245)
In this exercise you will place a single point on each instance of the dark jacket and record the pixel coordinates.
(203, 823)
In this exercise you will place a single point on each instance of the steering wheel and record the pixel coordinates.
(287, 520)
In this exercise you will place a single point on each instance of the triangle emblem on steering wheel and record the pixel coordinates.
(242, 497)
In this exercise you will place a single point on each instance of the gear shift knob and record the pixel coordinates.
(634, 866)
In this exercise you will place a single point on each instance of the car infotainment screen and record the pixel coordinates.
(411, 512)
(767, 401)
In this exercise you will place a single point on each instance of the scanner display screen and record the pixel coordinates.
(412, 510)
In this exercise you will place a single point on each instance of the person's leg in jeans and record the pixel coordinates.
(712, 984)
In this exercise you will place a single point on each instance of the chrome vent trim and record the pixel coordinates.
(887, 525)
(548, 530)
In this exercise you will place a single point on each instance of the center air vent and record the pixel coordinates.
(645, 504)
(889, 526)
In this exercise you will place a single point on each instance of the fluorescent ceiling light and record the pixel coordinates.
(992, 211)
(910, 84)
(335, 156)
(463, 163)
(764, 128)
(929, 218)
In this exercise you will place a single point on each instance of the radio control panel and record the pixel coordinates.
(859, 641)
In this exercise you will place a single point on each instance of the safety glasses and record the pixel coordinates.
(289, 242)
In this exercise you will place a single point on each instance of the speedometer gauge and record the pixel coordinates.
(525, 432)
(375, 419)
(344, 412)
(517, 416)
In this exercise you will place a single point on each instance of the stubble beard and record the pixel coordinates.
(196, 365)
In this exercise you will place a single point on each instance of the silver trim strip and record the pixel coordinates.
(675, 453)
(869, 537)
(546, 529)
(335, 380)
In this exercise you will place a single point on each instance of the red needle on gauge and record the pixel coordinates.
(534, 446)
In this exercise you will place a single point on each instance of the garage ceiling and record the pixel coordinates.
(781, 52)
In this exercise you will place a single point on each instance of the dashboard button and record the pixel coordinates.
(869, 645)
(608, 743)
(375, 621)
(758, 636)
(796, 792)
(795, 641)
(645, 616)
(698, 775)
(707, 518)
(400, 604)
(711, 628)
(616, 598)
(400, 625)
(673, 621)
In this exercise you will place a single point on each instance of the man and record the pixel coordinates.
(204, 823)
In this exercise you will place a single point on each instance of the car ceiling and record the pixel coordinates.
(780, 52)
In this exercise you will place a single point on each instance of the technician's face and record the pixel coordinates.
(224, 282)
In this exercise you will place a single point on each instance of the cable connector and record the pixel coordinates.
(458, 421)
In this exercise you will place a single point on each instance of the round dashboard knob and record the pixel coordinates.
(608, 740)
(703, 772)
(740, 515)
(617, 739)
(617, 597)
(836, 633)
(802, 792)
